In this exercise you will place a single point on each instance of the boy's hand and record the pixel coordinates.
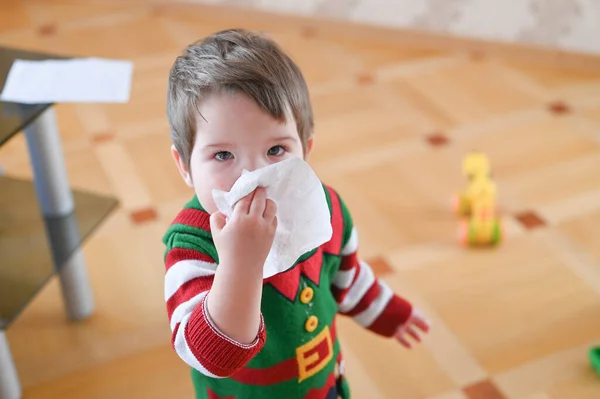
(416, 324)
(248, 236)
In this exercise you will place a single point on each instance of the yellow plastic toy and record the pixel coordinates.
(478, 204)
(475, 165)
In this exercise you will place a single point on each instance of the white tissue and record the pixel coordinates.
(303, 218)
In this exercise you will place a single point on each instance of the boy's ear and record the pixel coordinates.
(182, 167)
(309, 146)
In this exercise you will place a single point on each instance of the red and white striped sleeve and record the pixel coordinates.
(361, 295)
(195, 337)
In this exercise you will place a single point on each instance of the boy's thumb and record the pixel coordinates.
(217, 221)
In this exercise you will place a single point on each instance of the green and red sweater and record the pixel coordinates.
(296, 354)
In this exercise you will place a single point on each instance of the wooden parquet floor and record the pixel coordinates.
(393, 122)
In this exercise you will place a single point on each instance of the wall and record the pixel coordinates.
(566, 24)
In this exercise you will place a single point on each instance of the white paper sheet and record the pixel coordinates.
(68, 81)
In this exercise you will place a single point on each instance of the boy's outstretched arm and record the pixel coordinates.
(369, 300)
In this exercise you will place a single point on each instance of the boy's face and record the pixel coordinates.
(237, 136)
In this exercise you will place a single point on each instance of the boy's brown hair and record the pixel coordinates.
(238, 61)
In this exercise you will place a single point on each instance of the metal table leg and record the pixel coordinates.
(55, 198)
(10, 386)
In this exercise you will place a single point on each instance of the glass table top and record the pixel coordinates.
(30, 245)
(14, 117)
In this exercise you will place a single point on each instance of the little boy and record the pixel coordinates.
(236, 101)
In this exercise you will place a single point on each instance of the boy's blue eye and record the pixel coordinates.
(276, 150)
(223, 155)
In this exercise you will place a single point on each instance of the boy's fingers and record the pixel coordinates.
(404, 342)
(420, 321)
(257, 206)
(413, 334)
(422, 324)
(270, 210)
(217, 221)
(400, 337)
(243, 205)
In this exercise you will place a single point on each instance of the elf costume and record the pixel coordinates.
(296, 354)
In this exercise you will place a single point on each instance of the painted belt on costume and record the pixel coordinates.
(314, 355)
(310, 358)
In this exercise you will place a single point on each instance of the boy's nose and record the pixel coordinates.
(255, 164)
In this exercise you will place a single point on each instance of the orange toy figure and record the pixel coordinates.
(478, 204)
